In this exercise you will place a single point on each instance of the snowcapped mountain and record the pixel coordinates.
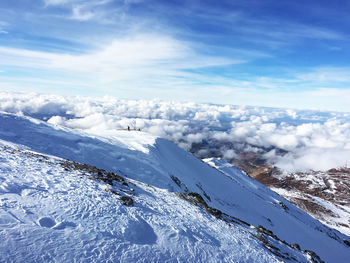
(128, 196)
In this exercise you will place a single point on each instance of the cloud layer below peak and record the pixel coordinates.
(308, 139)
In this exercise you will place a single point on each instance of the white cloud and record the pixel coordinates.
(78, 13)
(57, 120)
(326, 75)
(25, 58)
(195, 138)
(307, 31)
(143, 61)
(82, 10)
(314, 159)
(100, 12)
(313, 140)
(157, 54)
(229, 154)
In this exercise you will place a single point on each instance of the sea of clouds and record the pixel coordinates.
(293, 140)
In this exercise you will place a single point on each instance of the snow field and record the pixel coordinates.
(49, 214)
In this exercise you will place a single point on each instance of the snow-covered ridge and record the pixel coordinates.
(175, 227)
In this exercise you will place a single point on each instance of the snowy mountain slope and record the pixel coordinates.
(165, 167)
(49, 214)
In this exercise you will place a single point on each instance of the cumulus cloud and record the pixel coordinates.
(307, 139)
(314, 158)
(229, 154)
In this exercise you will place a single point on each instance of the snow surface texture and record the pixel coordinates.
(51, 215)
(313, 140)
(48, 213)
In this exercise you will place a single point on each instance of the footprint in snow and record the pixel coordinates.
(50, 223)
(47, 222)
(140, 232)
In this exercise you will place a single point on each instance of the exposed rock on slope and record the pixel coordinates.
(324, 195)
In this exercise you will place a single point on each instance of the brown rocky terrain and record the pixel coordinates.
(324, 195)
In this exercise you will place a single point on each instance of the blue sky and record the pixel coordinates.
(270, 53)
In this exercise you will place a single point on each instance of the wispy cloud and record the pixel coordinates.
(238, 22)
(26, 58)
(80, 14)
(89, 10)
(135, 61)
(55, 2)
(238, 52)
(135, 51)
(3, 26)
(327, 75)
(84, 10)
(169, 68)
(59, 2)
